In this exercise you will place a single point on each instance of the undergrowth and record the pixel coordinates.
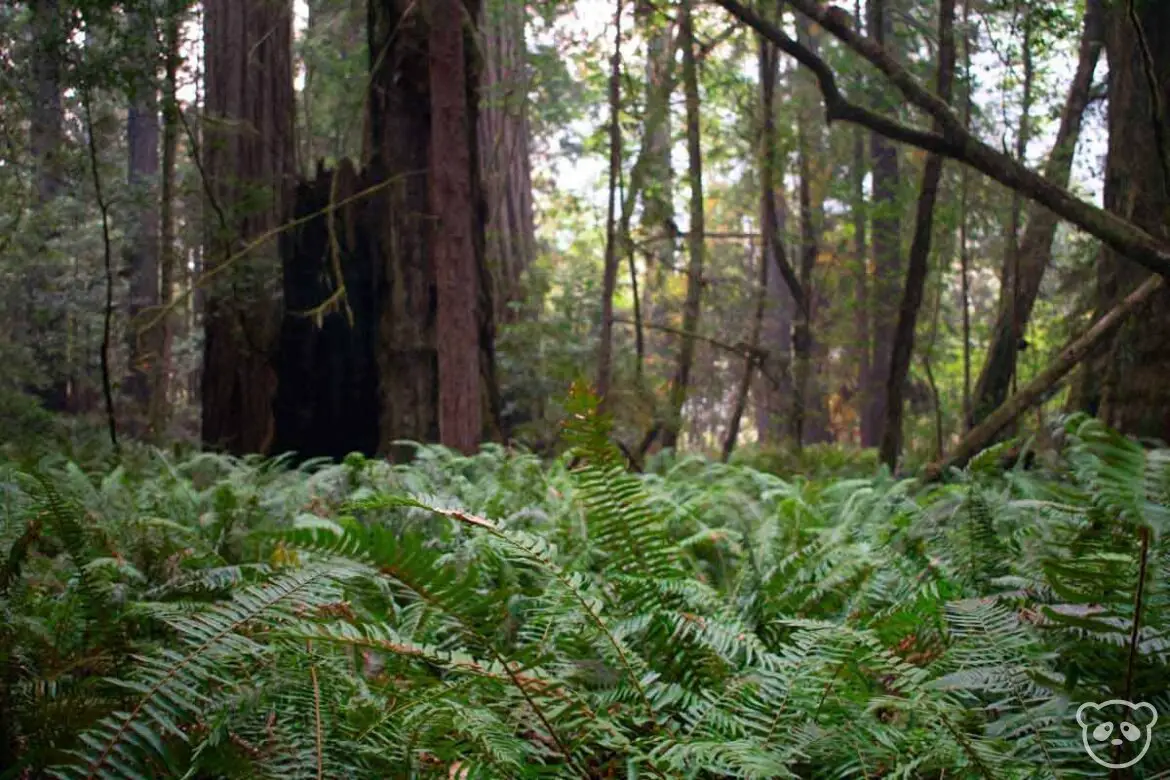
(497, 616)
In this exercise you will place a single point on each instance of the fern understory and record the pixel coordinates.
(496, 616)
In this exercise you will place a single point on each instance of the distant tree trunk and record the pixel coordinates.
(142, 248)
(964, 252)
(658, 196)
(250, 161)
(750, 362)
(887, 253)
(46, 137)
(609, 280)
(809, 421)
(506, 167)
(696, 235)
(773, 401)
(158, 414)
(1129, 386)
(452, 248)
(918, 266)
(861, 270)
(1035, 248)
(1009, 276)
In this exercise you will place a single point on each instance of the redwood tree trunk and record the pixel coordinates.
(411, 108)
(453, 251)
(250, 161)
(887, 255)
(1129, 386)
(503, 138)
(142, 250)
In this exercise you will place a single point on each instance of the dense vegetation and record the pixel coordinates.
(498, 616)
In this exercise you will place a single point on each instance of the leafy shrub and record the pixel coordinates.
(495, 616)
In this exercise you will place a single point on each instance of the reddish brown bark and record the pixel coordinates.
(452, 250)
(249, 163)
(1129, 386)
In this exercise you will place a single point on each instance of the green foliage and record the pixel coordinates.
(496, 616)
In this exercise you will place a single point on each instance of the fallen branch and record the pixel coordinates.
(981, 435)
(953, 141)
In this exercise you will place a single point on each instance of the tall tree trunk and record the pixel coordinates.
(142, 248)
(696, 235)
(402, 127)
(503, 135)
(1009, 276)
(658, 197)
(918, 266)
(250, 162)
(158, 414)
(809, 421)
(453, 250)
(887, 254)
(1137, 188)
(1035, 248)
(609, 280)
(964, 253)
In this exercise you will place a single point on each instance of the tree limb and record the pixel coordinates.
(1073, 354)
(954, 141)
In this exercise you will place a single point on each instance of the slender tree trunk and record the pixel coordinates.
(609, 281)
(964, 197)
(1035, 248)
(750, 362)
(696, 236)
(918, 267)
(887, 252)
(142, 249)
(452, 248)
(1137, 188)
(250, 160)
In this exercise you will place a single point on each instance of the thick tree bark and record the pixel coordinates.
(1129, 386)
(250, 163)
(1035, 247)
(887, 255)
(506, 169)
(399, 151)
(918, 266)
(696, 238)
(142, 249)
(452, 248)
(609, 278)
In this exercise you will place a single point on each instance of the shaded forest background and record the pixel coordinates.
(344, 226)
